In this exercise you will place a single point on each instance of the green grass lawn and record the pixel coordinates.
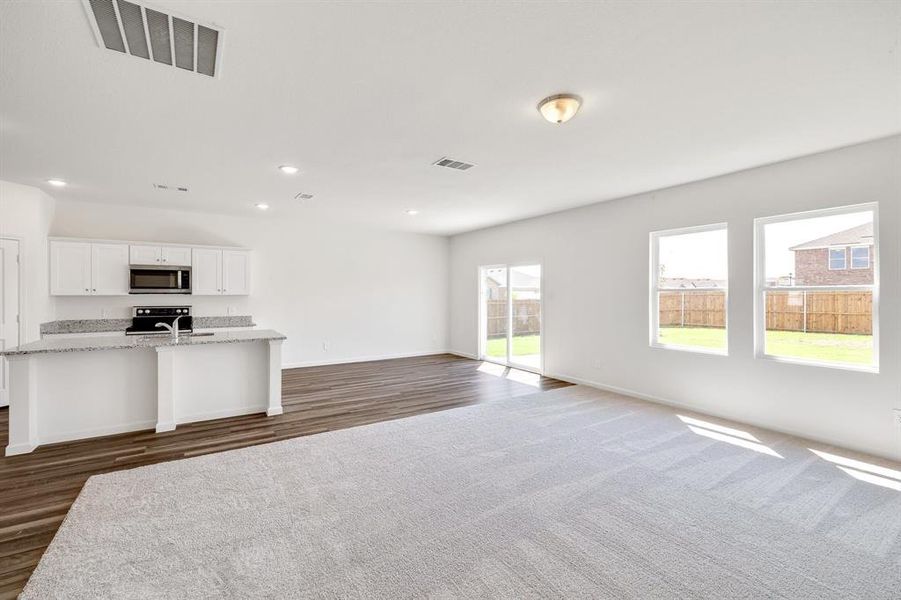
(522, 346)
(832, 347)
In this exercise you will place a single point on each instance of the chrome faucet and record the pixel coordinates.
(173, 329)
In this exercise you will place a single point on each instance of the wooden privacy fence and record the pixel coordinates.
(526, 317)
(808, 311)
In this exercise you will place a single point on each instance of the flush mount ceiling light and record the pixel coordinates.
(559, 108)
(262, 206)
(56, 182)
(288, 169)
(412, 212)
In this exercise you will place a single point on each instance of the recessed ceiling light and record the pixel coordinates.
(56, 182)
(262, 206)
(288, 169)
(412, 212)
(559, 108)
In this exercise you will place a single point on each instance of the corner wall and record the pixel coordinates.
(595, 265)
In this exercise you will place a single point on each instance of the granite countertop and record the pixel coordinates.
(111, 325)
(88, 344)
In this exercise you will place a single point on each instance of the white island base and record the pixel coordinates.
(71, 394)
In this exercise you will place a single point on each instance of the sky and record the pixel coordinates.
(703, 255)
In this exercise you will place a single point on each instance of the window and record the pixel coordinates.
(837, 258)
(689, 288)
(809, 307)
(860, 257)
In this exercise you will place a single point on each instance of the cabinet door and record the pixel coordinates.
(179, 257)
(109, 269)
(145, 255)
(70, 268)
(235, 272)
(206, 271)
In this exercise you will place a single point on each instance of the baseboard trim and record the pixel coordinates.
(359, 359)
(13, 450)
(717, 414)
(463, 354)
(70, 436)
(221, 414)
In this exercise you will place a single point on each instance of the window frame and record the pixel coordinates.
(760, 287)
(832, 249)
(851, 253)
(655, 288)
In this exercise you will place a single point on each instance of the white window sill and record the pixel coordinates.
(821, 364)
(692, 349)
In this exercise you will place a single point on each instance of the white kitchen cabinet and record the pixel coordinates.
(143, 254)
(86, 269)
(70, 268)
(235, 272)
(220, 272)
(206, 271)
(109, 269)
(176, 256)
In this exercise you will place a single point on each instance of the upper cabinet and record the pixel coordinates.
(88, 268)
(220, 272)
(109, 269)
(235, 272)
(84, 269)
(70, 268)
(144, 254)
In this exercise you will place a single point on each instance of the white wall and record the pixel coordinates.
(596, 297)
(365, 293)
(26, 212)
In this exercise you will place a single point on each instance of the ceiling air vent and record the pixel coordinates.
(303, 196)
(171, 188)
(136, 29)
(451, 163)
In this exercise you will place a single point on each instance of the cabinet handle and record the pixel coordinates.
(95, 289)
(87, 290)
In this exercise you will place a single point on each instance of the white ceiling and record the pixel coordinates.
(364, 97)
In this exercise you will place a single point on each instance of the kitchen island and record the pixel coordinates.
(76, 388)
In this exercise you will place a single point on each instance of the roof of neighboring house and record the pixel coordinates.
(862, 235)
(519, 279)
(686, 283)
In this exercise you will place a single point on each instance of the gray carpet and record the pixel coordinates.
(572, 493)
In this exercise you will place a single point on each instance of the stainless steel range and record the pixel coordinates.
(145, 318)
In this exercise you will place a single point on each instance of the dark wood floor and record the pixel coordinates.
(37, 489)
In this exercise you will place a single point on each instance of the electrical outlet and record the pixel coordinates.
(325, 346)
(231, 310)
(897, 413)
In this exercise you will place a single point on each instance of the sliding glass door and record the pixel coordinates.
(510, 323)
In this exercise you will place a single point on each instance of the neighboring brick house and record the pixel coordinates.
(842, 258)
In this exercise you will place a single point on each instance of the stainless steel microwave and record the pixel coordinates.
(159, 279)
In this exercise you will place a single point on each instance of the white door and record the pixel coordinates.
(9, 308)
(145, 255)
(109, 269)
(206, 270)
(179, 257)
(235, 272)
(70, 268)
